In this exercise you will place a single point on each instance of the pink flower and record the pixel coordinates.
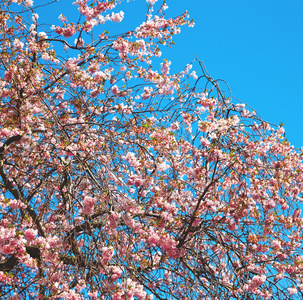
(30, 234)
(79, 42)
(135, 180)
(131, 158)
(16, 204)
(18, 44)
(174, 126)
(45, 56)
(117, 272)
(256, 282)
(165, 67)
(71, 64)
(117, 17)
(107, 254)
(204, 141)
(279, 276)
(5, 278)
(297, 214)
(69, 31)
(10, 73)
(116, 296)
(115, 90)
(292, 291)
(53, 241)
(152, 2)
(146, 93)
(59, 30)
(93, 294)
(29, 2)
(87, 27)
(276, 244)
(89, 203)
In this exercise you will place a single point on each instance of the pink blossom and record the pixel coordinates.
(115, 90)
(276, 244)
(10, 73)
(175, 126)
(152, 2)
(53, 241)
(68, 31)
(279, 276)
(256, 282)
(94, 295)
(204, 142)
(122, 169)
(165, 67)
(107, 254)
(29, 2)
(117, 296)
(30, 234)
(79, 42)
(42, 35)
(62, 18)
(135, 180)
(117, 17)
(296, 214)
(5, 278)
(45, 56)
(292, 291)
(18, 44)
(194, 74)
(16, 204)
(59, 30)
(147, 93)
(131, 158)
(116, 273)
(88, 204)
(71, 64)
(88, 26)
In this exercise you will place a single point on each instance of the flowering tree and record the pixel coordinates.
(119, 181)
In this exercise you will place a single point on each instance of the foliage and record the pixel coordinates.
(119, 181)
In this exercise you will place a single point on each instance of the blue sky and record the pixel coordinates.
(256, 46)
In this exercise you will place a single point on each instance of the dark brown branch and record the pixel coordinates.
(201, 198)
(10, 187)
(9, 264)
(12, 261)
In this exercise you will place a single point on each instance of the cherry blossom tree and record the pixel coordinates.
(120, 180)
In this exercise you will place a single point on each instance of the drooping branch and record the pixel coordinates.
(10, 187)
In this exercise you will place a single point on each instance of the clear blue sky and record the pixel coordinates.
(256, 46)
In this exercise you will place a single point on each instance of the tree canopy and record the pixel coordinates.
(120, 180)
